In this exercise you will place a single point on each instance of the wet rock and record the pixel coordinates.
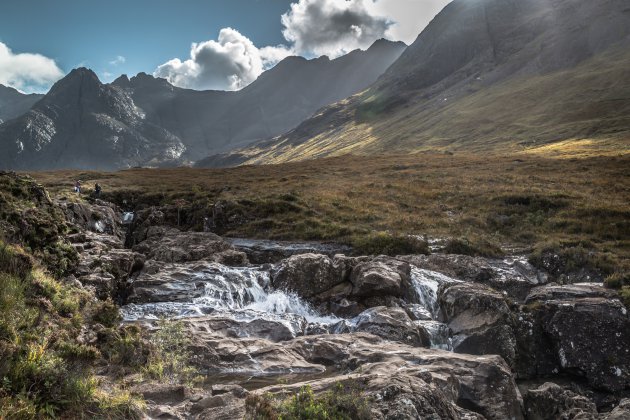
(381, 276)
(272, 330)
(265, 251)
(221, 286)
(551, 402)
(480, 319)
(480, 384)
(513, 275)
(390, 323)
(569, 292)
(308, 275)
(417, 312)
(174, 246)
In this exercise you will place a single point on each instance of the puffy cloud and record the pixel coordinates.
(312, 28)
(27, 72)
(229, 63)
(118, 60)
(333, 27)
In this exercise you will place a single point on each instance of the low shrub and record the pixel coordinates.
(475, 248)
(617, 280)
(106, 313)
(383, 243)
(563, 258)
(343, 402)
(169, 358)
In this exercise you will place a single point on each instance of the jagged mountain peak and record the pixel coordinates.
(121, 81)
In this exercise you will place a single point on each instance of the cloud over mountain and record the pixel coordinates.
(229, 63)
(27, 72)
(311, 28)
(332, 27)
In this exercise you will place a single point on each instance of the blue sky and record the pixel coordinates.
(131, 36)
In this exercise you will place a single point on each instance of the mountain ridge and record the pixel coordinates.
(471, 82)
(85, 124)
(14, 103)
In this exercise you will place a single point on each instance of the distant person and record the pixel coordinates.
(97, 190)
(77, 187)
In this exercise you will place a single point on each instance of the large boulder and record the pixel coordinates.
(308, 275)
(480, 319)
(379, 277)
(174, 246)
(579, 329)
(104, 264)
(98, 217)
(392, 324)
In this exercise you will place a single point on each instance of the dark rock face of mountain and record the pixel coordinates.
(483, 75)
(13, 103)
(501, 38)
(280, 99)
(82, 123)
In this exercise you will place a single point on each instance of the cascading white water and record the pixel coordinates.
(426, 284)
(244, 295)
(239, 293)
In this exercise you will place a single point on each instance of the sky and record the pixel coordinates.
(211, 44)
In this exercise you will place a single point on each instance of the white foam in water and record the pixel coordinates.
(426, 284)
(236, 292)
(279, 302)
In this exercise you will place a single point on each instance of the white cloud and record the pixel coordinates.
(336, 27)
(333, 27)
(229, 63)
(118, 60)
(311, 28)
(27, 72)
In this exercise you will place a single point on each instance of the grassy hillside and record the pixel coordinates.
(526, 201)
(588, 103)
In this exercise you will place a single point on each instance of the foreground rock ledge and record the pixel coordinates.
(402, 381)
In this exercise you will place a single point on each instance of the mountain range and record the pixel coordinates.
(85, 124)
(484, 76)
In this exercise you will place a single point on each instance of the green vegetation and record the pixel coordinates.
(344, 402)
(28, 217)
(54, 335)
(169, 359)
(617, 280)
(45, 370)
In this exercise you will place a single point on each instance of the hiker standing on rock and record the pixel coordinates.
(77, 187)
(97, 190)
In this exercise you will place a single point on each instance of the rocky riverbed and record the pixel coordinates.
(427, 336)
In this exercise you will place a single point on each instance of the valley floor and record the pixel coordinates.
(526, 201)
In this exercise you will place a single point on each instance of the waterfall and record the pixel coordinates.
(426, 284)
(241, 293)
